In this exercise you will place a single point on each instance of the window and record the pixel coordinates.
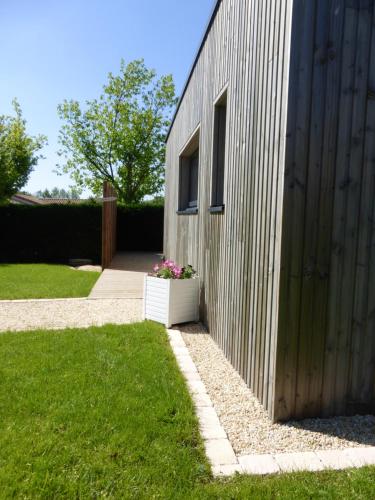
(189, 175)
(218, 164)
(193, 179)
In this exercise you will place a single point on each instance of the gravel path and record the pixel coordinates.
(67, 313)
(246, 422)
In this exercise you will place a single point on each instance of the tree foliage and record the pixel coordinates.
(67, 194)
(18, 153)
(120, 136)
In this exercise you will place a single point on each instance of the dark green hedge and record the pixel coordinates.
(140, 228)
(52, 233)
(56, 233)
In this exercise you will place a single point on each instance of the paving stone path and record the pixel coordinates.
(125, 277)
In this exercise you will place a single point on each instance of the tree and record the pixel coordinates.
(120, 136)
(56, 193)
(18, 153)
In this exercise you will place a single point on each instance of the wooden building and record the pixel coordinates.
(270, 194)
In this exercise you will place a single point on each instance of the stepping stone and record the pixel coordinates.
(361, 457)
(175, 335)
(299, 461)
(209, 424)
(226, 470)
(176, 344)
(196, 387)
(191, 376)
(335, 459)
(186, 364)
(181, 351)
(220, 452)
(259, 464)
(202, 400)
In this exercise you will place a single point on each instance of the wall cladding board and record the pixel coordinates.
(288, 269)
(326, 351)
(234, 252)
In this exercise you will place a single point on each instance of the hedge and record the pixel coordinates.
(57, 233)
(140, 228)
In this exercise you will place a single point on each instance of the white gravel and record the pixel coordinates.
(67, 313)
(246, 422)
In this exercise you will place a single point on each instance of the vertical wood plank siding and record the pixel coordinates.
(326, 338)
(288, 270)
(235, 252)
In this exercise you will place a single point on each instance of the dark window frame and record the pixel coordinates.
(220, 126)
(193, 179)
(189, 160)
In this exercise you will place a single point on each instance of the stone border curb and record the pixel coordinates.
(218, 447)
(220, 452)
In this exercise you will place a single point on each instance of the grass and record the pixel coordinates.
(44, 281)
(104, 413)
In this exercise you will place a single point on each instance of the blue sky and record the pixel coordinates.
(53, 49)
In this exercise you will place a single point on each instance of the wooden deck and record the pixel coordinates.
(125, 276)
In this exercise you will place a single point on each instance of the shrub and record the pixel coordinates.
(51, 233)
(57, 233)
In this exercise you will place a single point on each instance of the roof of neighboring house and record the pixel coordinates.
(28, 199)
(210, 23)
(62, 201)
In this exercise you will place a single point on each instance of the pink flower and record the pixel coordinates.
(177, 271)
(169, 269)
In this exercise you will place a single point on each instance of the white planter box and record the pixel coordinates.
(171, 302)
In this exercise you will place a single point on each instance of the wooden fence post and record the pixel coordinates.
(109, 223)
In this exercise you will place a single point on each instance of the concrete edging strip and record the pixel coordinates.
(218, 447)
(220, 452)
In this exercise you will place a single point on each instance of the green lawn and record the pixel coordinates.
(104, 413)
(44, 281)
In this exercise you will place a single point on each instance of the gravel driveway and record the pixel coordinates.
(20, 315)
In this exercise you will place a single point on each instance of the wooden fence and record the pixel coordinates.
(109, 223)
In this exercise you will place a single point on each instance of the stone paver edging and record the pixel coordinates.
(220, 451)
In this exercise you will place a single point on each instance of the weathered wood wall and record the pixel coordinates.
(326, 340)
(109, 224)
(288, 271)
(237, 253)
